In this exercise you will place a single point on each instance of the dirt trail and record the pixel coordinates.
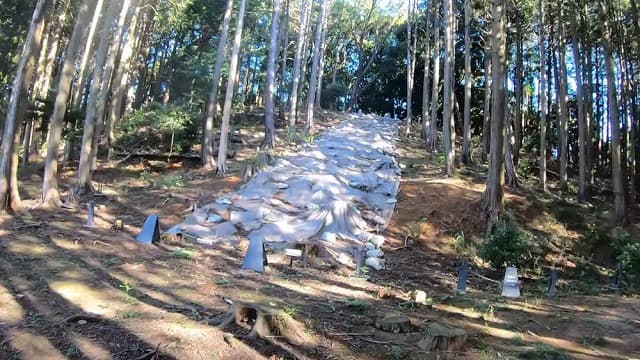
(143, 299)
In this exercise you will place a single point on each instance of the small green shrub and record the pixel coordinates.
(506, 245)
(629, 258)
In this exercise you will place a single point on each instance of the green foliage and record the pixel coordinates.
(626, 250)
(183, 254)
(130, 314)
(506, 245)
(154, 126)
(222, 282)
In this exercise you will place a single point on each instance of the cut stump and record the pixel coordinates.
(440, 338)
(265, 322)
(395, 324)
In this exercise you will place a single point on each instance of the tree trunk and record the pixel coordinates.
(517, 121)
(563, 150)
(208, 160)
(435, 83)
(297, 62)
(582, 134)
(86, 55)
(410, 64)
(269, 115)
(9, 195)
(543, 97)
(323, 48)
(50, 194)
(486, 125)
(614, 117)
(121, 79)
(231, 83)
(315, 67)
(466, 142)
(426, 120)
(91, 119)
(494, 193)
(448, 123)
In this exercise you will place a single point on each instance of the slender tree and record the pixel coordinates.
(614, 115)
(435, 83)
(448, 124)
(297, 63)
(562, 98)
(208, 160)
(269, 117)
(317, 50)
(466, 142)
(411, 63)
(50, 194)
(9, 195)
(543, 96)
(231, 84)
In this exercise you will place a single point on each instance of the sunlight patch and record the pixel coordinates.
(11, 312)
(88, 299)
(35, 347)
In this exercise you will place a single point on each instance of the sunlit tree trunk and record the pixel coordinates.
(91, 119)
(297, 62)
(121, 79)
(614, 116)
(494, 193)
(448, 123)
(208, 159)
(269, 114)
(518, 79)
(323, 48)
(543, 97)
(9, 195)
(317, 50)
(231, 83)
(466, 142)
(86, 55)
(50, 194)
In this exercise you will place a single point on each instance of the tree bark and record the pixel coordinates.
(543, 97)
(410, 65)
(86, 55)
(562, 99)
(426, 98)
(9, 195)
(582, 134)
(50, 194)
(315, 67)
(208, 159)
(494, 193)
(231, 84)
(466, 142)
(91, 119)
(269, 115)
(448, 122)
(486, 126)
(614, 116)
(297, 63)
(323, 48)
(435, 84)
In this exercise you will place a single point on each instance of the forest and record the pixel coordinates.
(411, 152)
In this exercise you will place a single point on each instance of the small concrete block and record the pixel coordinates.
(375, 253)
(420, 297)
(377, 240)
(375, 263)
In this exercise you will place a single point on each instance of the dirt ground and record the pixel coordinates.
(68, 291)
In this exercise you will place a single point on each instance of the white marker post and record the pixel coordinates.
(510, 285)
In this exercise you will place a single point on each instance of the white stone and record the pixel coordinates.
(375, 263)
(223, 201)
(420, 296)
(375, 253)
(369, 246)
(377, 240)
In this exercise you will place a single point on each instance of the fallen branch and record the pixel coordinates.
(374, 341)
(149, 354)
(484, 277)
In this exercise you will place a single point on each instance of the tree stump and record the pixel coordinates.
(442, 338)
(265, 322)
(395, 324)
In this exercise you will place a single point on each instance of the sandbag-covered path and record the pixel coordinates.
(336, 194)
